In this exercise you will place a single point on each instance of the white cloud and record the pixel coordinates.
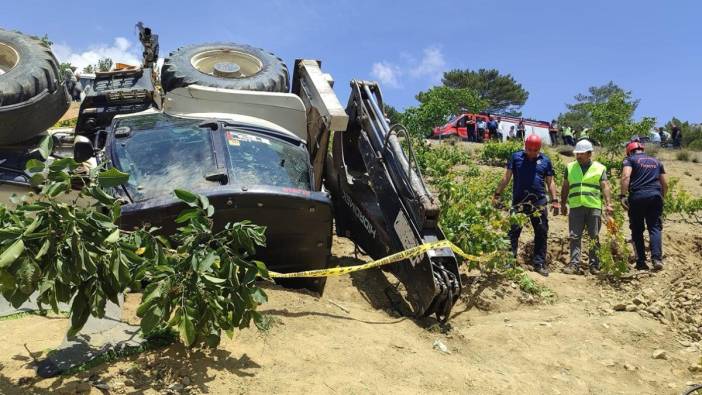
(120, 51)
(431, 65)
(387, 73)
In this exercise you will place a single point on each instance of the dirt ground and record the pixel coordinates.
(72, 112)
(500, 341)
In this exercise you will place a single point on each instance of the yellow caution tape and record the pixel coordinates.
(406, 254)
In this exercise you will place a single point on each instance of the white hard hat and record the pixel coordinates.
(583, 146)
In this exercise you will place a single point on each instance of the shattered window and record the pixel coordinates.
(258, 159)
(162, 153)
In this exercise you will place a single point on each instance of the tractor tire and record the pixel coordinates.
(224, 65)
(33, 95)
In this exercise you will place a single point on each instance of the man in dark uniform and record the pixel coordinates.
(532, 171)
(643, 177)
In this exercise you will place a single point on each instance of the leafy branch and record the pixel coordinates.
(64, 244)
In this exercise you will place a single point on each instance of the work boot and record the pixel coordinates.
(641, 266)
(657, 265)
(541, 270)
(572, 269)
(594, 270)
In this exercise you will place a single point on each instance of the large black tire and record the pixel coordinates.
(179, 70)
(32, 92)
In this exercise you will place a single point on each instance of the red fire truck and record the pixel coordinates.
(465, 127)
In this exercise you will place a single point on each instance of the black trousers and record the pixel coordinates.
(538, 216)
(646, 211)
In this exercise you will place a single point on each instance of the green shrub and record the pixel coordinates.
(690, 135)
(66, 123)
(696, 145)
(437, 160)
(495, 153)
(682, 156)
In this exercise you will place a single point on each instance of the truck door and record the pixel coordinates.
(461, 127)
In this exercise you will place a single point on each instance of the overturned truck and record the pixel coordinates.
(225, 121)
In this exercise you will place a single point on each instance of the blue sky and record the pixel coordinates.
(556, 49)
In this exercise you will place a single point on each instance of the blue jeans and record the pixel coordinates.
(539, 222)
(646, 210)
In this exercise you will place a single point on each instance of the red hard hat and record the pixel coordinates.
(532, 142)
(632, 146)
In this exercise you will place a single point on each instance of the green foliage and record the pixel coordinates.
(468, 218)
(66, 123)
(690, 132)
(46, 41)
(70, 252)
(579, 114)
(498, 153)
(438, 160)
(501, 93)
(392, 114)
(613, 252)
(103, 64)
(65, 70)
(559, 166)
(695, 145)
(612, 125)
(682, 156)
(436, 106)
(681, 203)
(612, 162)
(208, 284)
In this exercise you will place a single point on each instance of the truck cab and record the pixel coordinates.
(462, 126)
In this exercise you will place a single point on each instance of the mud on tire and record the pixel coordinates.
(224, 65)
(32, 93)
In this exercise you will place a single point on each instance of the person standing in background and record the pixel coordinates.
(482, 126)
(521, 129)
(553, 132)
(568, 136)
(676, 135)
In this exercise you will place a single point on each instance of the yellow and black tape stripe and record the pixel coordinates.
(399, 256)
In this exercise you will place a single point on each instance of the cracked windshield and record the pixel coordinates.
(161, 153)
(256, 159)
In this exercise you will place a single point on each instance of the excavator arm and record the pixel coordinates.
(380, 200)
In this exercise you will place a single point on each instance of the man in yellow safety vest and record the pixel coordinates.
(584, 184)
(567, 135)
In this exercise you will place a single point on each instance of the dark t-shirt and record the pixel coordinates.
(645, 176)
(529, 178)
(492, 125)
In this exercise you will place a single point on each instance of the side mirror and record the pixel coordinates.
(82, 149)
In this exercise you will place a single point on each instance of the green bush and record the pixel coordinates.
(437, 161)
(682, 156)
(696, 145)
(690, 135)
(66, 123)
(498, 153)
